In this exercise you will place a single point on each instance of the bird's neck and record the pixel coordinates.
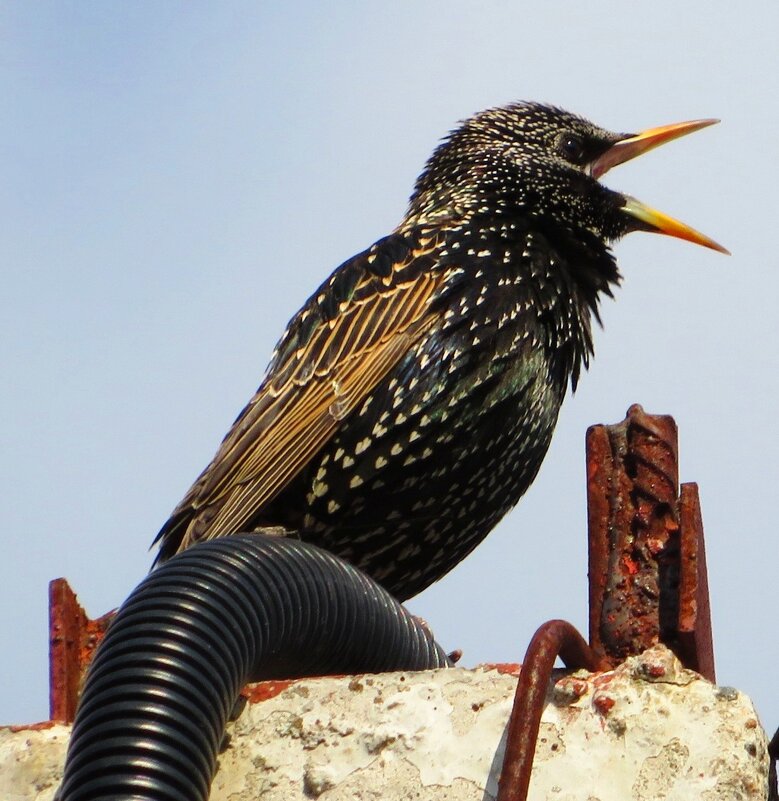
(529, 274)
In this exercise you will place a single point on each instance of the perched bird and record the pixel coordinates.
(410, 402)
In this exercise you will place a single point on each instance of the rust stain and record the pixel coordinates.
(265, 690)
(504, 668)
(603, 704)
(41, 726)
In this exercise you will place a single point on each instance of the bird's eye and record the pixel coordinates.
(572, 148)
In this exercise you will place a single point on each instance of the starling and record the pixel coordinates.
(410, 402)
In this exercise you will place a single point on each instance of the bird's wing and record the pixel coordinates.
(346, 338)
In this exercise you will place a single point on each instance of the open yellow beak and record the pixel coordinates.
(632, 146)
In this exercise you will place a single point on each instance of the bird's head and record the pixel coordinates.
(544, 163)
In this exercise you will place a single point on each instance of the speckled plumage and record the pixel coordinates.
(410, 402)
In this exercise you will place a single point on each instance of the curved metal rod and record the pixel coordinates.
(552, 639)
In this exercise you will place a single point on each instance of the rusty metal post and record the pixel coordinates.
(647, 561)
(73, 638)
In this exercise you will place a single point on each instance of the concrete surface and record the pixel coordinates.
(649, 730)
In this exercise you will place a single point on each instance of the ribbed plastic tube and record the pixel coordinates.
(242, 608)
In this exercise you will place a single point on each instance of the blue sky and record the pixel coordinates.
(178, 177)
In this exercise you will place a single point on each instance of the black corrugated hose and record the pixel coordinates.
(167, 675)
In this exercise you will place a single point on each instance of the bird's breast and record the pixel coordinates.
(441, 448)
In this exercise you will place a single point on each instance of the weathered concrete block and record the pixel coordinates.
(648, 730)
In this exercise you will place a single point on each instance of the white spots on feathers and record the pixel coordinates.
(362, 445)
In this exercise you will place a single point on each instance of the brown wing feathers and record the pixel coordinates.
(312, 384)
